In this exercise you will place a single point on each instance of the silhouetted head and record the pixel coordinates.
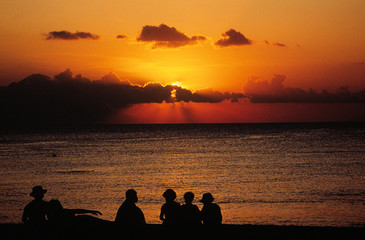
(169, 195)
(55, 206)
(189, 197)
(38, 192)
(207, 198)
(131, 195)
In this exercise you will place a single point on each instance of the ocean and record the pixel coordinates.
(309, 174)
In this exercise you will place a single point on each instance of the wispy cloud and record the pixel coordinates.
(122, 36)
(66, 35)
(279, 44)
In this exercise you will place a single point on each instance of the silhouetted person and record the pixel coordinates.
(67, 223)
(190, 214)
(59, 214)
(130, 217)
(35, 215)
(211, 213)
(35, 212)
(129, 214)
(170, 211)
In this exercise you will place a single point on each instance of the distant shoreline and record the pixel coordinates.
(84, 126)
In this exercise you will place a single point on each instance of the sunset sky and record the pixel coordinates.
(266, 50)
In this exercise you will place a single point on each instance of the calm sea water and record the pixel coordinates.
(284, 174)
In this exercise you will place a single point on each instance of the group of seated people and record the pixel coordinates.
(129, 214)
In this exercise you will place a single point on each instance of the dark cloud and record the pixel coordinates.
(66, 35)
(111, 78)
(121, 36)
(279, 44)
(233, 38)
(198, 38)
(276, 92)
(168, 37)
(206, 95)
(75, 99)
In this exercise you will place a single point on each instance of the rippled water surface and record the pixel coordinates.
(285, 174)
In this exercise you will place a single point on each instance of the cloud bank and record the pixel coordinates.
(206, 96)
(74, 99)
(66, 35)
(276, 92)
(233, 38)
(163, 36)
(39, 99)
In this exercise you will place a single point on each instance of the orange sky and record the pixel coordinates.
(315, 44)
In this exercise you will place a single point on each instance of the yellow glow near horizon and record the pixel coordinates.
(177, 84)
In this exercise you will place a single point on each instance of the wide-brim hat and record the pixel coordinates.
(37, 190)
(207, 198)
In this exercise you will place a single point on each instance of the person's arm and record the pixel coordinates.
(219, 214)
(162, 214)
(143, 220)
(202, 214)
(118, 217)
(197, 215)
(25, 217)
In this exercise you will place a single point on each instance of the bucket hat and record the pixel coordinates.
(207, 198)
(37, 190)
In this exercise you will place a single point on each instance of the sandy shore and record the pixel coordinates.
(155, 231)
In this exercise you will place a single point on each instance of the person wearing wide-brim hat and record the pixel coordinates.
(211, 212)
(207, 198)
(35, 212)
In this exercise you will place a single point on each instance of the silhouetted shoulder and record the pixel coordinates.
(170, 213)
(128, 213)
(211, 214)
(190, 214)
(35, 212)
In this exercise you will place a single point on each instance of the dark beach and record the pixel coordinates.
(157, 231)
